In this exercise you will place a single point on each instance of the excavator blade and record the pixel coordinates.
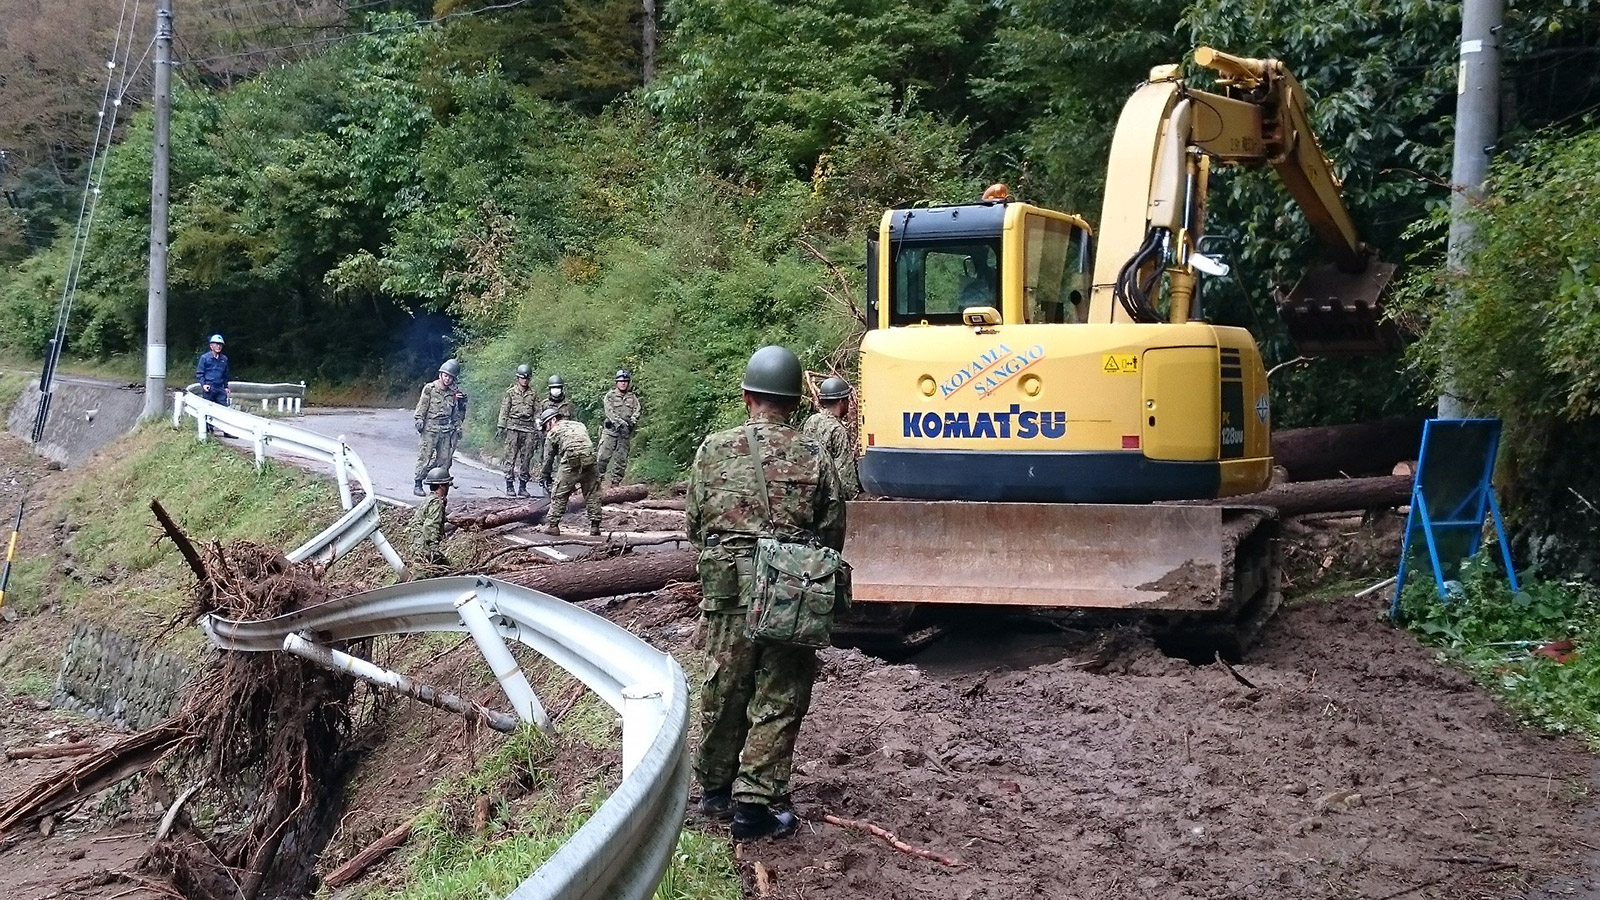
(1331, 312)
(1149, 558)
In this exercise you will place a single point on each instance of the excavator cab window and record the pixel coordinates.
(933, 282)
(1056, 276)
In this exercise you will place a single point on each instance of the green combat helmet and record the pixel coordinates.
(773, 370)
(834, 388)
(451, 367)
(523, 371)
(546, 416)
(438, 475)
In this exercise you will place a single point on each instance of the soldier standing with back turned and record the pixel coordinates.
(616, 431)
(518, 428)
(438, 415)
(826, 427)
(755, 694)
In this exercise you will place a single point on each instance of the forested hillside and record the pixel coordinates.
(362, 188)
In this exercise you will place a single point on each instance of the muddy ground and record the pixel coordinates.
(1059, 766)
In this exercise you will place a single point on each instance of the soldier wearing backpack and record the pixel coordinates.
(757, 690)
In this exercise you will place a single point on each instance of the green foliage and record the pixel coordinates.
(1522, 339)
(1492, 632)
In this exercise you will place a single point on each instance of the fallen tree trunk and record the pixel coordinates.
(1333, 451)
(632, 574)
(52, 751)
(675, 503)
(101, 770)
(1331, 495)
(533, 512)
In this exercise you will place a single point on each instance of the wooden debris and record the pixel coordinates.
(889, 838)
(357, 865)
(99, 771)
(630, 574)
(51, 751)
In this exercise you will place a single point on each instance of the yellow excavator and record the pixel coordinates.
(1028, 398)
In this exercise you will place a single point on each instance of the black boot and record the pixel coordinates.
(510, 490)
(522, 488)
(417, 489)
(717, 804)
(754, 821)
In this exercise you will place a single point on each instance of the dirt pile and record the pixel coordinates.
(1355, 767)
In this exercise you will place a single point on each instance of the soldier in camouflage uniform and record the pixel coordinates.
(438, 416)
(427, 526)
(754, 694)
(827, 428)
(556, 398)
(518, 428)
(569, 458)
(616, 432)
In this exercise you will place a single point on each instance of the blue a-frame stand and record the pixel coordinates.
(1452, 493)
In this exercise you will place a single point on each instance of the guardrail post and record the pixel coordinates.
(494, 650)
(341, 474)
(261, 449)
(300, 399)
(177, 407)
(387, 551)
(200, 423)
(643, 711)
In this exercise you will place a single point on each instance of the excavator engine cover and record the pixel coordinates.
(1331, 312)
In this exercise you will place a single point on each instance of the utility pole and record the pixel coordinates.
(155, 351)
(1477, 130)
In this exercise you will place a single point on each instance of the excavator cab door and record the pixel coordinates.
(1331, 312)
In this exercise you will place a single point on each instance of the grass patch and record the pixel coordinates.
(11, 387)
(1496, 634)
(104, 561)
(446, 859)
(31, 684)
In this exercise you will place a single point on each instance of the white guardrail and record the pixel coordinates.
(290, 397)
(360, 520)
(623, 850)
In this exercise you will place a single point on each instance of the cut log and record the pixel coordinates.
(1333, 451)
(533, 512)
(675, 503)
(52, 751)
(1331, 495)
(632, 574)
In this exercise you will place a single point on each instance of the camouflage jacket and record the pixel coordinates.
(567, 446)
(427, 527)
(519, 409)
(802, 488)
(621, 411)
(563, 406)
(440, 409)
(834, 437)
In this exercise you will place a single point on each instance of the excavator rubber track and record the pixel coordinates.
(1205, 578)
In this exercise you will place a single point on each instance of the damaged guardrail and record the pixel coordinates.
(624, 849)
(290, 397)
(360, 520)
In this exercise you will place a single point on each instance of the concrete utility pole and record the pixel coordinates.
(155, 349)
(1477, 130)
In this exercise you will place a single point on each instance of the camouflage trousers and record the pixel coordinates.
(566, 479)
(521, 449)
(751, 702)
(613, 449)
(434, 448)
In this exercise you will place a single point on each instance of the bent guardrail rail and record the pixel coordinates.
(291, 397)
(360, 520)
(624, 849)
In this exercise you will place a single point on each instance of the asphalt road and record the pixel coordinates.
(386, 440)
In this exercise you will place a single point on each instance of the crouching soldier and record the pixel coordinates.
(569, 460)
(427, 526)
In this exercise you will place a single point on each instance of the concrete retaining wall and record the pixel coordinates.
(72, 434)
(113, 678)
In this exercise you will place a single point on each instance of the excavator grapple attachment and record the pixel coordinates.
(1331, 312)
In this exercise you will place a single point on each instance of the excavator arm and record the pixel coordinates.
(1166, 141)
